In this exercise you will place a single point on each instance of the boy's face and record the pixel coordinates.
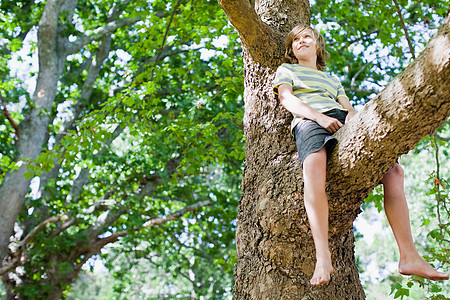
(304, 45)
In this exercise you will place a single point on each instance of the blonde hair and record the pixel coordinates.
(322, 55)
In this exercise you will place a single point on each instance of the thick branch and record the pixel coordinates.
(257, 37)
(47, 32)
(412, 106)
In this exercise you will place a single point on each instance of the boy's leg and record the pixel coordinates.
(316, 205)
(411, 263)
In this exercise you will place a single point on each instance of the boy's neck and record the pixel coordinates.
(308, 64)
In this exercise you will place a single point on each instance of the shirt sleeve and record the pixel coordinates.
(340, 91)
(282, 76)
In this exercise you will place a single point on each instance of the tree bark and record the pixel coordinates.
(275, 250)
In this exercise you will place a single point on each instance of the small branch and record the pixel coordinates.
(36, 229)
(16, 261)
(164, 38)
(167, 198)
(178, 214)
(166, 52)
(92, 35)
(10, 119)
(158, 221)
(100, 243)
(63, 227)
(402, 22)
(353, 82)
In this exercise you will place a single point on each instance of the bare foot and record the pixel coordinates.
(418, 266)
(322, 272)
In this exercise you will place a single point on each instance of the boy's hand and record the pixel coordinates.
(330, 124)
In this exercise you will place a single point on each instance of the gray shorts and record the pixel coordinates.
(310, 137)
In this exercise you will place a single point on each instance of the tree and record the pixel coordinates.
(113, 135)
(274, 247)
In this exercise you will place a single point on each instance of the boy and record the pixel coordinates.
(320, 108)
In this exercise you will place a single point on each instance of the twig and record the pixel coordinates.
(10, 119)
(445, 139)
(342, 48)
(164, 38)
(16, 261)
(437, 184)
(373, 4)
(411, 49)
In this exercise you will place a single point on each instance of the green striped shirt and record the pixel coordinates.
(315, 88)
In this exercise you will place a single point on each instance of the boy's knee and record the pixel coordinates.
(313, 160)
(396, 171)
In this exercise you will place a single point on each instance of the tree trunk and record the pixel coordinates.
(33, 129)
(275, 250)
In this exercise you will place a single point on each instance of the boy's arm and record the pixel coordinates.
(345, 103)
(299, 108)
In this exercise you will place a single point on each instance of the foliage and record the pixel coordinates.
(157, 132)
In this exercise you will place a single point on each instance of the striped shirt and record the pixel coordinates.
(315, 88)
